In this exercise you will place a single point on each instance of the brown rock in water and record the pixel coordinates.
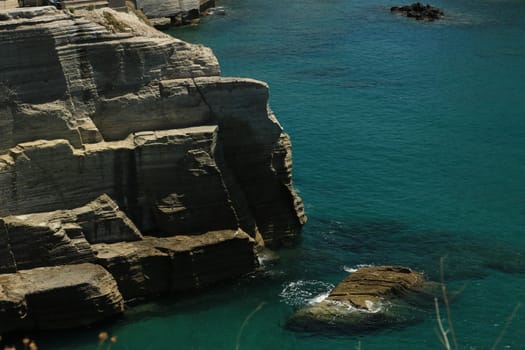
(368, 286)
(368, 299)
(419, 11)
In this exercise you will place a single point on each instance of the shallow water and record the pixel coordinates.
(409, 145)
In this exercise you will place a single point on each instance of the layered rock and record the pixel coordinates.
(169, 8)
(368, 299)
(101, 92)
(139, 268)
(156, 266)
(123, 147)
(58, 297)
(64, 236)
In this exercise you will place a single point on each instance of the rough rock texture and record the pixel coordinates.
(121, 113)
(58, 297)
(161, 23)
(368, 286)
(168, 8)
(62, 237)
(142, 267)
(123, 147)
(419, 11)
(157, 266)
(368, 299)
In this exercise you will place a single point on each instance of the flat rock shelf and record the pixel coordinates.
(368, 299)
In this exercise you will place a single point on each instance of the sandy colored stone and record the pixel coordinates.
(370, 298)
(122, 146)
(58, 297)
(368, 286)
(156, 266)
(66, 136)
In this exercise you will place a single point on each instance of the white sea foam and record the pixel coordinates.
(301, 292)
(352, 269)
(349, 269)
(372, 307)
(267, 257)
(319, 298)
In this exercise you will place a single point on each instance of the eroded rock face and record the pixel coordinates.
(156, 266)
(135, 268)
(58, 297)
(64, 236)
(368, 299)
(169, 8)
(136, 116)
(129, 152)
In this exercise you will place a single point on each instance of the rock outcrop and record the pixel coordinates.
(419, 11)
(124, 148)
(58, 297)
(156, 266)
(370, 298)
(184, 9)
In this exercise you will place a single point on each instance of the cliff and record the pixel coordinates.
(125, 154)
(169, 8)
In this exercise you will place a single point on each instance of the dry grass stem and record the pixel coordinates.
(507, 324)
(442, 332)
(447, 304)
(245, 322)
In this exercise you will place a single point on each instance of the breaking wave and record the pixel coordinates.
(302, 292)
(352, 269)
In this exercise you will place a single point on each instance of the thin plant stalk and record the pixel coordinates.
(245, 322)
(507, 324)
(443, 332)
(447, 304)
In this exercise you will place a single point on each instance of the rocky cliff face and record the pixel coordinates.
(168, 8)
(128, 150)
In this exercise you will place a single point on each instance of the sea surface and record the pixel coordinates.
(408, 146)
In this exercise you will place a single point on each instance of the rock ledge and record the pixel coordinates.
(128, 160)
(370, 298)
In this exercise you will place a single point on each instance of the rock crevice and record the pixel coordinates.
(128, 158)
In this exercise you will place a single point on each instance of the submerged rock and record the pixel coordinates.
(368, 299)
(419, 11)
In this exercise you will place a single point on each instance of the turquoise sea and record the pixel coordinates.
(409, 145)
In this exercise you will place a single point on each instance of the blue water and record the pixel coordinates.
(409, 145)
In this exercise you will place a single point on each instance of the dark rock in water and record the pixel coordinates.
(419, 11)
(368, 299)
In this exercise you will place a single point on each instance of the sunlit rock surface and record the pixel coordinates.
(368, 299)
(125, 148)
